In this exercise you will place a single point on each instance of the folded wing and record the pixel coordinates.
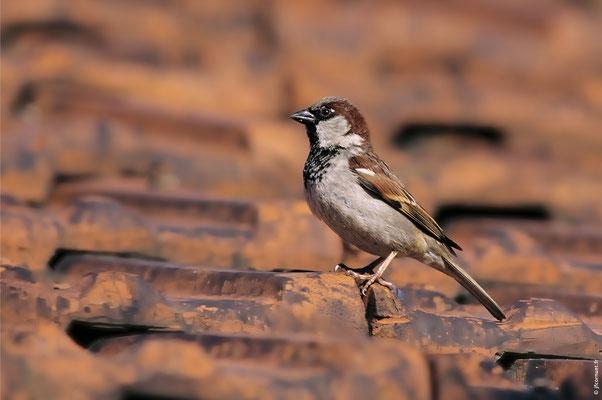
(377, 178)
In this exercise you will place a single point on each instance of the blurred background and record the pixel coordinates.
(151, 136)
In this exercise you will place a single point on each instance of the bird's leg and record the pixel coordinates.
(359, 273)
(371, 274)
(377, 275)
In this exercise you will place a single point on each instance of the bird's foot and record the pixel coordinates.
(351, 272)
(364, 280)
(379, 279)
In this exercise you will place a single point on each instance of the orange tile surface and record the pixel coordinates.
(155, 242)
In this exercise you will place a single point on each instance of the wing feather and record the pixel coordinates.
(377, 178)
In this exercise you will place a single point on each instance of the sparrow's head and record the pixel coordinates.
(334, 122)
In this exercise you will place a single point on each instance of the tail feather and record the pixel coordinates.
(458, 273)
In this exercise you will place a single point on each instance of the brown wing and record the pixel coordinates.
(377, 178)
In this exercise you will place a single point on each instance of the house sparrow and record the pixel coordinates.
(357, 195)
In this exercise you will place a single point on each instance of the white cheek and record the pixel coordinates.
(332, 133)
(351, 140)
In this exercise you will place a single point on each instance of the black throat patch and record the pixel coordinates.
(317, 161)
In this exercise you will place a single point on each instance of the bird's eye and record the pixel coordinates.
(325, 112)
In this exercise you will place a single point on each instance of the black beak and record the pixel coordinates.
(304, 116)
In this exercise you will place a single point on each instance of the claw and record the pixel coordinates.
(350, 272)
(391, 286)
(367, 280)
(366, 285)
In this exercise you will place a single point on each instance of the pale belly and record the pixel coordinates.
(361, 219)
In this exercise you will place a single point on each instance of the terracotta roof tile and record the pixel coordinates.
(155, 241)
